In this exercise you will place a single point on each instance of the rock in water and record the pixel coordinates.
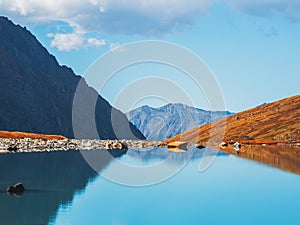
(17, 189)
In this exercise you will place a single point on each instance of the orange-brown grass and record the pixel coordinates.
(283, 157)
(21, 135)
(273, 123)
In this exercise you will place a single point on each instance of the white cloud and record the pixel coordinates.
(264, 8)
(96, 42)
(67, 42)
(152, 17)
(74, 41)
(129, 17)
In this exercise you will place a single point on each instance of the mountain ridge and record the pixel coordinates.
(168, 120)
(36, 93)
(268, 123)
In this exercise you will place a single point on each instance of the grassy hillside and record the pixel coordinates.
(20, 135)
(277, 122)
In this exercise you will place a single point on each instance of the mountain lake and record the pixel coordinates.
(146, 186)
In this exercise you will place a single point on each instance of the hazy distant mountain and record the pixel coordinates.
(36, 93)
(169, 120)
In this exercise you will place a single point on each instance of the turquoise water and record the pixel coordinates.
(63, 190)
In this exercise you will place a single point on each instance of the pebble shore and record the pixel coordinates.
(13, 145)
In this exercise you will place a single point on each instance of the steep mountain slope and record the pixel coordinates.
(169, 120)
(278, 122)
(36, 93)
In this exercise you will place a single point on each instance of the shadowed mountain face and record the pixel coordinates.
(36, 93)
(169, 120)
(51, 180)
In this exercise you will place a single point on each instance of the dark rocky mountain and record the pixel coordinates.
(36, 93)
(169, 120)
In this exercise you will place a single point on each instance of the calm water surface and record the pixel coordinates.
(63, 189)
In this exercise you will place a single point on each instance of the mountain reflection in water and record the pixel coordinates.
(51, 180)
(286, 158)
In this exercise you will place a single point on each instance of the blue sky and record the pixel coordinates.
(252, 47)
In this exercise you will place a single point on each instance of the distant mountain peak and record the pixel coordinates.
(168, 120)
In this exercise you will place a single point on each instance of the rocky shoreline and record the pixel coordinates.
(13, 145)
